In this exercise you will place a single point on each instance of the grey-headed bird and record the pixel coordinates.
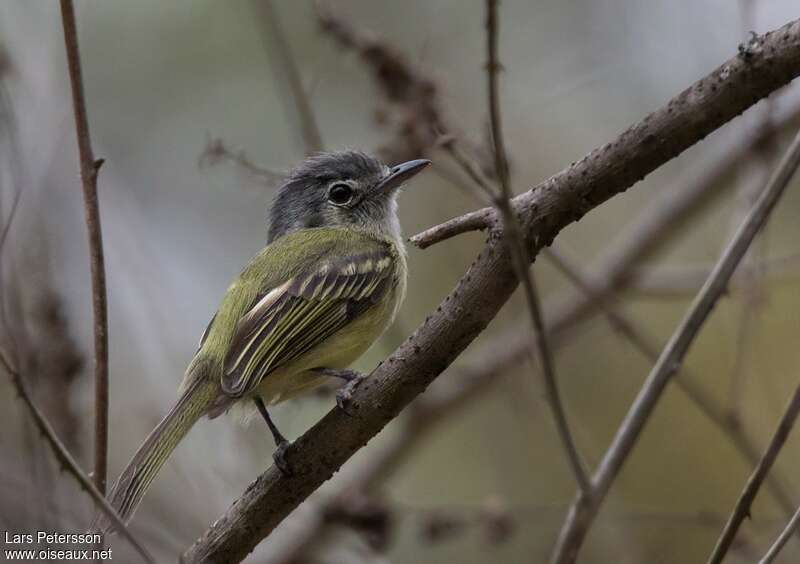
(328, 283)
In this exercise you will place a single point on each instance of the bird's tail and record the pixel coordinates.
(134, 481)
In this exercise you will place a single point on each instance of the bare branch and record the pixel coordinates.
(742, 509)
(452, 146)
(755, 172)
(66, 461)
(413, 106)
(664, 218)
(638, 336)
(676, 208)
(300, 105)
(520, 260)
(492, 365)
(493, 67)
(791, 528)
(216, 152)
(584, 509)
(13, 164)
(89, 169)
(465, 313)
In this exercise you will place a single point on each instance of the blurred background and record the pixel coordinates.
(186, 98)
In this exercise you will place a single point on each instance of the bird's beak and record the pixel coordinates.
(400, 173)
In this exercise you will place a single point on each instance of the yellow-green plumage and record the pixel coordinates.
(145, 464)
(329, 251)
(313, 298)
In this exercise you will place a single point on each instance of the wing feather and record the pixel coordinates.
(287, 321)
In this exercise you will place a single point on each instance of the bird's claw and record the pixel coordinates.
(279, 456)
(344, 396)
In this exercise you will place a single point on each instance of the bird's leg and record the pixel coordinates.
(279, 456)
(344, 395)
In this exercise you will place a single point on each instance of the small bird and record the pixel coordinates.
(328, 283)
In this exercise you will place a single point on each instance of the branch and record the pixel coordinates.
(668, 215)
(742, 509)
(487, 285)
(750, 280)
(216, 152)
(488, 366)
(418, 421)
(66, 461)
(650, 231)
(783, 538)
(518, 251)
(648, 347)
(413, 110)
(477, 220)
(89, 169)
(678, 205)
(585, 508)
(299, 104)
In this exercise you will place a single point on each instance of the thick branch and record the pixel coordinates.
(488, 365)
(89, 169)
(677, 207)
(649, 232)
(487, 285)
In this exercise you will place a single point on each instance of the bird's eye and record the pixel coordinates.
(340, 194)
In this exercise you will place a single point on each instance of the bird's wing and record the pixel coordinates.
(291, 319)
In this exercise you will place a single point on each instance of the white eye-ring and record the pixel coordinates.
(340, 194)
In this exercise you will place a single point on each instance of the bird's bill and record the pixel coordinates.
(401, 173)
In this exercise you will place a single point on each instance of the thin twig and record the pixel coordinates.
(642, 341)
(89, 169)
(217, 151)
(751, 280)
(65, 459)
(477, 220)
(742, 509)
(518, 251)
(493, 67)
(583, 509)
(312, 139)
(516, 247)
(791, 528)
(452, 146)
(412, 110)
(14, 166)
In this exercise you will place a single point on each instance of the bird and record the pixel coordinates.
(328, 283)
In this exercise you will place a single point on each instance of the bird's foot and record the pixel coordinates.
(344, 395)
(281, 461)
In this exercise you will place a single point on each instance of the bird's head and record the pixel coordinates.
(343, 189)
